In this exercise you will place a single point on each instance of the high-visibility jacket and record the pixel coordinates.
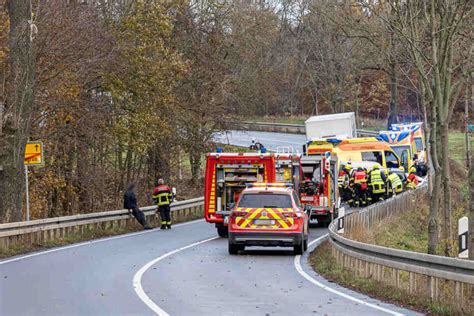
(376, 181)
(360, 178)
(162, 195)
(412, 181)
(343, 179)
(395, 182)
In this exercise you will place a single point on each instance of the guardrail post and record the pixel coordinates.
(340, 220)
(463, 237)
(412, 283)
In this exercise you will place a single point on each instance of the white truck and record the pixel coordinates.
(341, 125)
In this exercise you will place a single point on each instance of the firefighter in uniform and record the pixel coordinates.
(394, 184)
(376, 180)
(344, 182)
(412, 180)
(163, 197)
(360, 187)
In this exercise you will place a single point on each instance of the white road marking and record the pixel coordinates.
(137, 278)
(93, 242)
(300, 270)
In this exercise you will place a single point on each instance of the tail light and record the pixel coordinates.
(293, 215)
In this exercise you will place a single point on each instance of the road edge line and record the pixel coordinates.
(90, 242)
(137, 278)
(299, 269)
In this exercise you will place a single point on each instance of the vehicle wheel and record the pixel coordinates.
(299, 248)
(305, 244)
(234, 249)
(222, 231)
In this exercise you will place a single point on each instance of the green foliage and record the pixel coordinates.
(147, 69)
(457, 146)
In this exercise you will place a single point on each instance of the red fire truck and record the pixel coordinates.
(318, 190)
(226, 176)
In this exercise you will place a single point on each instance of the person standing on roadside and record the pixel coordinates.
(163, 197)
(130, 204)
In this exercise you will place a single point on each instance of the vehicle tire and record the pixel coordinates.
(305, 244)
(298, 249)
(234, 249)
(222, 231)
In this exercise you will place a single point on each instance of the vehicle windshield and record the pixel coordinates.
(419, 144)
(399, 149)
(266, 200)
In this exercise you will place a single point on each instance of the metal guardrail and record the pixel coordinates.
(20, 232)
(290, 128)
(429, 273)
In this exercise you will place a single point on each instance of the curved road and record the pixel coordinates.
(150, 273)
(269, 139)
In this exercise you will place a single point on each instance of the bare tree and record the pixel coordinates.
(15, 117)
(432, 33)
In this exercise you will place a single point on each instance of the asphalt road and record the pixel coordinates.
(150, 272)
(270, 140)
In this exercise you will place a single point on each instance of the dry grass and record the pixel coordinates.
(322, 262)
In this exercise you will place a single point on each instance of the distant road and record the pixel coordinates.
(270, 140)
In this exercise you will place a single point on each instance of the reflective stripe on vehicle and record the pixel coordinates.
(276, 214)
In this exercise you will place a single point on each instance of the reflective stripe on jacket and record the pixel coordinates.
(376, 181)
(395, 182)
(360, 176)
(412, 181)
(162, 195)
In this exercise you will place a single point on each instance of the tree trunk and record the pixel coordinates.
(434, 197)
(471, 213)
(195, 160)
(466, 136)
(16, 116)
(447, 212)
(392, 118)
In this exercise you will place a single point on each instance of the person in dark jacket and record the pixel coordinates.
(130, 204)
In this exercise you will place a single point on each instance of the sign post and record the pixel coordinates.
(27, 195)
(33, 157)
(463, 240)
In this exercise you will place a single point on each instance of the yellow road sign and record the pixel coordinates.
(34, 154)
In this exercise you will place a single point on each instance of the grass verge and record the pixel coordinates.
(323, 263)
(457, 146)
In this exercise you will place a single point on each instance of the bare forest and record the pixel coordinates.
(124, 91)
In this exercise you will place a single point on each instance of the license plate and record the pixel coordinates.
(307, 198)
(313, 221)
(264, 222)
(226, 219)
